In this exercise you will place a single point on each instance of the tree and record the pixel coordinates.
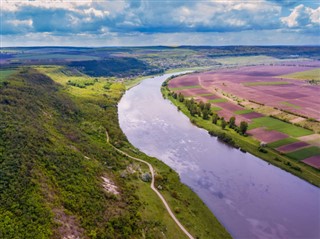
(207, 106)
(181, 97)
(243, 127)
(205, 114)
(223, 123)
(174, 95)
(215, 118)
(232, 122)
(201, 105)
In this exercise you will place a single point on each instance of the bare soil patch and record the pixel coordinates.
(69, 227)
(109, 186)
(313, 139)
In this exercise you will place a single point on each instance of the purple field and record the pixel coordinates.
(292, 147)
(266, 136)
(262, 84)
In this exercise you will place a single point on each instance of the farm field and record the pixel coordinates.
(5, 73)
(304, 75)
(234, 92)
(262, 84)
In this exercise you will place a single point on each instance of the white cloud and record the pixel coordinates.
(302, 16)
(17, 23)
(14, 5)
(227, 13)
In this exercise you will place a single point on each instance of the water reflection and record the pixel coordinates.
(251, 198)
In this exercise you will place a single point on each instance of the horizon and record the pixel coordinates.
(143, 46)
(153, 23)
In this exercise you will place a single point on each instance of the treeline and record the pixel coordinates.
(203, 110)
(115, 66)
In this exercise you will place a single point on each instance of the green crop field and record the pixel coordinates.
(242, 112)
(282, 142)
(5, 73)
(290, 105)
(262, 83)
(304, 75)
(186, 87)
(215, 108)
(218, 100)
(304, 153)
(278, 125)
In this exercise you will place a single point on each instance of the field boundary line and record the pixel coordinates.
(153, 187)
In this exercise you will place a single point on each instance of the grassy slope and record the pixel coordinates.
(251, 145)
(304, 75)
(56, 143)
(5, 73)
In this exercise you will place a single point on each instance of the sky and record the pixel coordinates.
(159, 22)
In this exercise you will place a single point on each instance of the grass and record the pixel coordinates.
(215, 108)
(251, 145)
(242, 112)
(218, 100)
(290, 105)
(282, 142)
(186, 87)
(246, 60)
(304, 75)
(5, 74)
(278, 125)
(304, 153)
(264, 83)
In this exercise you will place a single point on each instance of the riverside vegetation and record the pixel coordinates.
(54, 156)
(205, 117)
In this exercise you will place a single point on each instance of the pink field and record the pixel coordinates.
(229, 106)
(182, 81)
(210, 97)
(206, 98)
(292, 147)
(297, 92)
(266, 136)
(313, 161)
(228, 114)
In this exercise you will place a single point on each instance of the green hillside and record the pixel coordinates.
(54, 161)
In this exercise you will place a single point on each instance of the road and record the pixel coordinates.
(153, 187)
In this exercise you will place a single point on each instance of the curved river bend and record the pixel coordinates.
(250, 198)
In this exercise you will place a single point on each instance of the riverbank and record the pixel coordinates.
(133, 82)
(249, 144)
(99, 107)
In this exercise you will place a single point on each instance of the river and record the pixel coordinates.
(251, 198)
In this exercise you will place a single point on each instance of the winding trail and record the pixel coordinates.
(153, 187)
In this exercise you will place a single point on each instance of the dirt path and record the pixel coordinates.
(153, 188)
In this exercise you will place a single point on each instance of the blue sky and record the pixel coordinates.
(159, 22)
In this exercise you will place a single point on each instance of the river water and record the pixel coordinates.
(251, 198)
